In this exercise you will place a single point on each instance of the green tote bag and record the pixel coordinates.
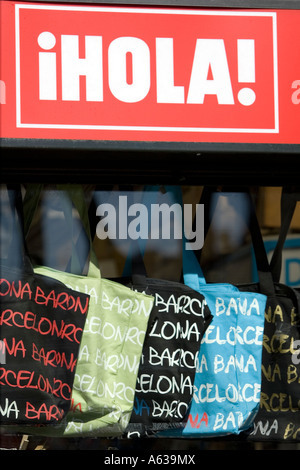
(111, 346)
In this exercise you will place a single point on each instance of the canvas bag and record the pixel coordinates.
(228, 376)
(278, 418)
(111, 346)
(177, 323)
(41, 327)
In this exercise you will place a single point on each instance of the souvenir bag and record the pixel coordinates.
(177, 323)
(41, 328)
(228, 375)
(278, 418)
(111, 347)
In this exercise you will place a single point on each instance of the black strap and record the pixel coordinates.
(17, 253)
(289, 198)
(263, 268)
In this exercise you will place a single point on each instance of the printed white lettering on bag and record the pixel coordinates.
(235, 363)
(172, 358)
(210, 393)
(89, 384)
(108, 331)
(169, 330)
(164, 385)
(251, 335)
(114, 362)
(236, 306)
(227, 373)
(266, 428)
(10, 408)
(125, 306)
(173, 409)
(182, 304)
(232, 419)
(91, 291)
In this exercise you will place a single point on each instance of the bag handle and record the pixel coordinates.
(191, 269)
(192, 264)
(263, 268)
(289, 198)
(17, 252)
(76, 197)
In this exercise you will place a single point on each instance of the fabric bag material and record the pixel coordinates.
(278, 418)
(228, 376)
(177, 323)
(166, 373)
(110, 350)
(41, 328)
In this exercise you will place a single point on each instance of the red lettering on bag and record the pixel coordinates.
(15, 288)
(77, 407)
(28, 379)
(62, 300)
(51, 413)
(194, 422)
(54, 358)
(13, 347)
(44, 326)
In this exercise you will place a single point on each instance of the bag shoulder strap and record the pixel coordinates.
(289, 198)
(76, 197)
(250, 219)
(18, 252)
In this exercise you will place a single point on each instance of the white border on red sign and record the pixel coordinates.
(20, 124)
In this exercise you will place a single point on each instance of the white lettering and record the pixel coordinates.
(173, 409)
(210, 54)
(164, 385)
(129, 70)
(73, 67)
(210, 392)
(10, 408)
(101, 389)
(167, 92)
(47, 67)
(118, 52)
(251, 335)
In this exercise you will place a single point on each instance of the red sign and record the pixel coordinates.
(149, 74)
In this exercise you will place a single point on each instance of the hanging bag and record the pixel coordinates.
(177, 323)
(278, 418)
(111, 347)
(41, 327)
(228, 376)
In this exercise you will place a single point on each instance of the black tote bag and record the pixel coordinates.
(177, 323)
(278, 418)
(166, 373)
(41, 325)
